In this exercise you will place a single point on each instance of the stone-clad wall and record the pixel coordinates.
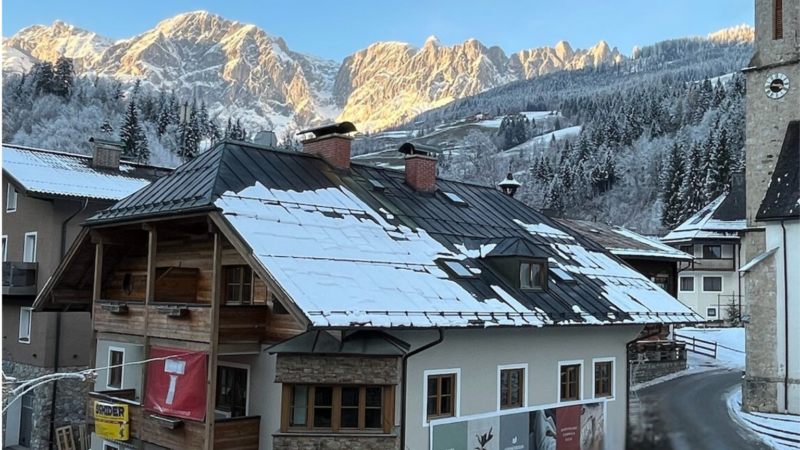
(652, 370)
(70, 405)
(334, 442)
(310, 369)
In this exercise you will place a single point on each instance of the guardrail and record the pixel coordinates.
(699, 346)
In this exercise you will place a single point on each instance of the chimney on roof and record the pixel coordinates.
(420, 165)
(106, 154)
(509, 185)
(332, 142)
(266, 138)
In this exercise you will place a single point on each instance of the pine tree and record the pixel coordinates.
(132, 135)
(692, 190)
(671, 183)
(44, 77)
(63, 77)
(719, 171)
(190, 136)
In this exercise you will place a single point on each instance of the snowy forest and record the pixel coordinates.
(49, 107)
(660, 135)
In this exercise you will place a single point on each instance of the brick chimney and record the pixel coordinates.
(106, 154)
(420, 166)
(332, 142)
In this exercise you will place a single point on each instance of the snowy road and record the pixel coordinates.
(692, 412)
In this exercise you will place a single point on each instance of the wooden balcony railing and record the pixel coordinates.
(240, 433)
(708, 264)
(19, 278)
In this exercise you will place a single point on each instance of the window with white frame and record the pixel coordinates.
(512, 381)
(711, 312)
(687, 284)
(25, 321)
(11, 198)
(712, 284)
(110, 446)
(116, 358)
(603, 377)
(441, 394)
(29, 250)
(570, 380)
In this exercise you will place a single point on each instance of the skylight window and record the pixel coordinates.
(376, 185)
(458, 269)
(562, 274)
(453, 197)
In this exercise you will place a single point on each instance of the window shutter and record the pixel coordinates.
(778, 17)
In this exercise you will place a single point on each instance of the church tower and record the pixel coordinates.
(773, 101)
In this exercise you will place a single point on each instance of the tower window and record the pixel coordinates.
(777, 16)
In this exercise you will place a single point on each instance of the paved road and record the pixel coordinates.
(692, 412)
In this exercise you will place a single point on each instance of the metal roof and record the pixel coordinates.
(364, 343)
(782, 199)
(625, 243)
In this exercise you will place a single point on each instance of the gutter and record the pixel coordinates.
(786, 320)
(55, 382)
(64, 229)
(404, 393)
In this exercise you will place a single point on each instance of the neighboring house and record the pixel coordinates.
(772, 381)
(47, 195)
(656, 261)
(289, 300)
(773, 109)
(710, 284)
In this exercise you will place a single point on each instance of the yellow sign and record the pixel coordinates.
(111, 420)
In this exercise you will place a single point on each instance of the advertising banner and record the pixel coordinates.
(111, 420)
(177, 386)
(569, 427)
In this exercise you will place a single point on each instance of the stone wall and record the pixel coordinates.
(70, 401)
(335, 442)
(310, 369)
(651, 370)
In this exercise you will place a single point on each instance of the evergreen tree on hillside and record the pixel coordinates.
(62, 77)
(719, 170)
(44, 78)
(132, 135)
(692, 190)
(190, 134)
(671, 182)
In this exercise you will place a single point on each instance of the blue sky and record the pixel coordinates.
(337, 29)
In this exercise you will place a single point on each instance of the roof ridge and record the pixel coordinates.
(80, 155)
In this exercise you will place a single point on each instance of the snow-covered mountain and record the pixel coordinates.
(242, 71)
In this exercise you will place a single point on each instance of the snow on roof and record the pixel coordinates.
(66, 174)
(318, 241)
(657, 248)
(704, 225)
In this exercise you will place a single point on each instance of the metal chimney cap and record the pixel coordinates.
(336, 128)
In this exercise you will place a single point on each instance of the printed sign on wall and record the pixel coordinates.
(176, 386)
(111, 420)
(572, 427)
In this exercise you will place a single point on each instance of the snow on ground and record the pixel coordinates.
(542, 140)
(779, 431)
(695, 364)
(531, 115)
(730, 343)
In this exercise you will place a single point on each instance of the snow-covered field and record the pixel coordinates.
(542, 140)
(780, 431)
(730, 343)
(531, 115)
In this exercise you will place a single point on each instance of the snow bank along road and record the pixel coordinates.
(692, 412)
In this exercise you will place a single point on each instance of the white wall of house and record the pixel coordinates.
(476, 354)
(131, 375)
(707, 302)
(774, 237)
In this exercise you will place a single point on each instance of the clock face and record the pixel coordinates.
(777, 85)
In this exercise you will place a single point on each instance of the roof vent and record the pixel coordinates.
(331, 142)
(376, 185)
(420, 165)
(266, 138)
(106, 154)
(453, 197)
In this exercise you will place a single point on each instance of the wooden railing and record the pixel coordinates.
(242, 323)
(240, 433)
(707, 264)
(699, 346)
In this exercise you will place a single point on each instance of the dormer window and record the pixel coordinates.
(533, 275)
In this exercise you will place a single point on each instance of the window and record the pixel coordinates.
(562, 274)
(238, 285)
(11, 198)
(29, 252)
(687, 249)
(458, 269)
(25, 320)
(110, 446)
(337, 408)
(5, 248)
(661, 281)
(570, 384)
(511, 384)
(453, 197)
(777, 31)
(711, 312)
(604, 378)
(532, 275)
(687, 284)
(441, 396)
(712, 284)
(232, 383)
(116, 358)
(712, 252)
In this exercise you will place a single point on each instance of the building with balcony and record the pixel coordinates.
(47, 195)
(256, 298)
(710, 283)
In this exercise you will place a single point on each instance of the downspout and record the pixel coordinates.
(785, 319)
(66, 222)
(404, 393)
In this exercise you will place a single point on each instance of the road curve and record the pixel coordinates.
(692, 412)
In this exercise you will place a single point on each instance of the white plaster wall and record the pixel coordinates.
(700, 301)
(131, 375)
(478, 353)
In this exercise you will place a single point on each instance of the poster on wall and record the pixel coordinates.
(176, 386)
(570, 427)
(111, 420)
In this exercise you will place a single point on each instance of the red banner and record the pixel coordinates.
(568, 424)
(176, 386)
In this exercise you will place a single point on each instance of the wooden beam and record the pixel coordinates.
(149, 297)
(216, 300)
(97, 289)
(118, 337)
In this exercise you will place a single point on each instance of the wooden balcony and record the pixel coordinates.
(241, 433)
(19, 278)
(722, 264)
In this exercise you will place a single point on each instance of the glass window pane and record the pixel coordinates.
(323, 396)
(432, 386)
(299, 406)
(431, 405)
(374, 396)
(525, 275)
(372, 418)
(536, 275)
(444, 404)
(350, 396)
(349, 418)
(322, 417)
(447, 385)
